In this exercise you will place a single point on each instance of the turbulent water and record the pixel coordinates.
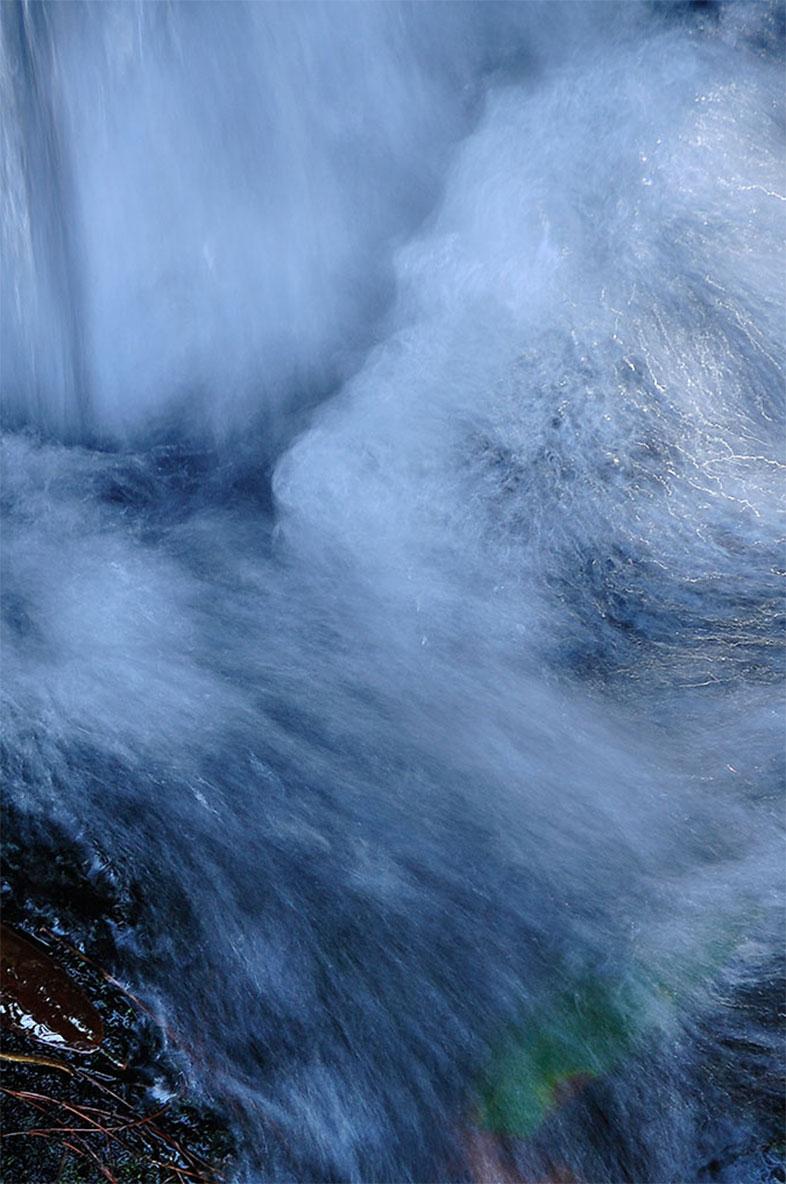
(394, 425)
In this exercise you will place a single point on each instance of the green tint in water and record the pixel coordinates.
(581, 1035)
(583, 1032)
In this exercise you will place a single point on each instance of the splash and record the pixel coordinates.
(392, 592)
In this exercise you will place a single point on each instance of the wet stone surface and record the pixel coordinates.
(93, 1090)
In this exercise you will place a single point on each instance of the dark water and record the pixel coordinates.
(392, 565)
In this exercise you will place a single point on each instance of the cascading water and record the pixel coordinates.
(393, 408)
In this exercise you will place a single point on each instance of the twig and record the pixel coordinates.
(87, 1152)
(45, 1062)
(196, 1170)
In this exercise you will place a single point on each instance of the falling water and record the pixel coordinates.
(394, 423)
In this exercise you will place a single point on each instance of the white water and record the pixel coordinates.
(392, 568)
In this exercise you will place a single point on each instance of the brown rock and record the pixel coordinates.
(39, 1000)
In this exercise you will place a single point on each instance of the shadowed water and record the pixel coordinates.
(392, 562)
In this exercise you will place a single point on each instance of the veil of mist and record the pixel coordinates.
(393, 433)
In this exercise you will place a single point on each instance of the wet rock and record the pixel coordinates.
(39, 1000)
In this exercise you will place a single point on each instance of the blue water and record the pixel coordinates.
(393, 460)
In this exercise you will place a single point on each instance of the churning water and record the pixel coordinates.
(394, 418)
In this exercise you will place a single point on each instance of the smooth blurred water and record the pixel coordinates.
(392, 557)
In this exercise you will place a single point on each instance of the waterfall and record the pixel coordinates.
(392, 567)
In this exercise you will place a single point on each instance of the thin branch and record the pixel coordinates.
(45, 1062)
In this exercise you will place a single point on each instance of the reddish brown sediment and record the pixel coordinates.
(40, 1001)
